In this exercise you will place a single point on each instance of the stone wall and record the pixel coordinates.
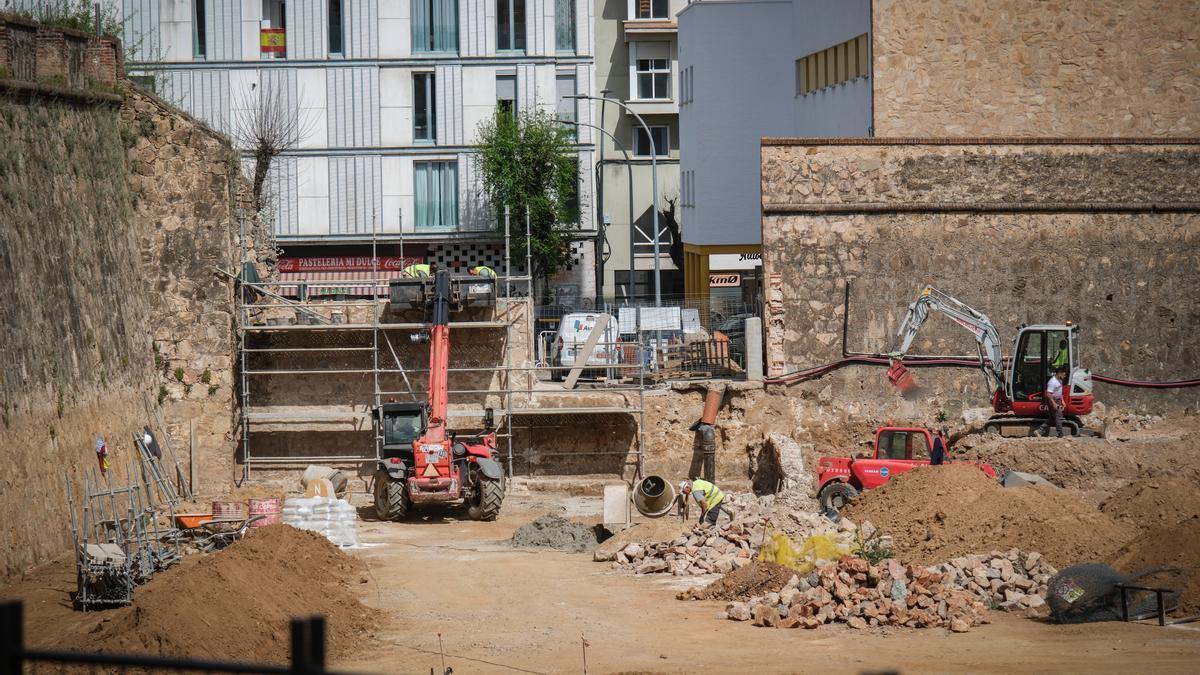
(1104, 235)
(114, 210)
(1030, 68)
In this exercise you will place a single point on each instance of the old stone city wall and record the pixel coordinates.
(114, 208)
(1034, 68)
(1104, 235)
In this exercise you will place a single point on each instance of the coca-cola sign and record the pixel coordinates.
(347, 264)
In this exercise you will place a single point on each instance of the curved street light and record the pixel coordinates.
(653, 194)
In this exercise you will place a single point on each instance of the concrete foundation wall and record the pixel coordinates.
(1025, 233)
(1029, 68)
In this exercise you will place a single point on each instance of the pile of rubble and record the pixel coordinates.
(707, 550)
(862, 595)
(1011, 580)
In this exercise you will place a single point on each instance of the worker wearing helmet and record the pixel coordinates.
(708, 496)
(482, 271)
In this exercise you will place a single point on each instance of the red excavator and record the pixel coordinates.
(1018, 398)
(422, 462)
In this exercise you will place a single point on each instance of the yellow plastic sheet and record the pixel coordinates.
(778, 548)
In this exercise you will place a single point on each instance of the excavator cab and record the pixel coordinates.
(1038, 351)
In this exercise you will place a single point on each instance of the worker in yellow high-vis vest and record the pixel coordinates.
(710, 498)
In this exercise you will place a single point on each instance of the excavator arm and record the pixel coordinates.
(987, 339)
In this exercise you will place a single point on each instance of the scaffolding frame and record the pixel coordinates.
(249, 417)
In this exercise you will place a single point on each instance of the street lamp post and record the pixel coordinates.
(653, 193)
(629, 169)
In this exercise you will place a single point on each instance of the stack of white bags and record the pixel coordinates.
(333, 518)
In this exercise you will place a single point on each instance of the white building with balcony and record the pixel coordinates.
(388, 95)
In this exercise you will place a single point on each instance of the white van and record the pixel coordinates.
(573, 331)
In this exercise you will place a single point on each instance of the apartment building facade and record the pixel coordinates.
(638, 64)
(387, 96)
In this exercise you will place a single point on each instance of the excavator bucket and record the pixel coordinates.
(901, 378)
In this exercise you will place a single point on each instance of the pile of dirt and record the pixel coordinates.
(236, 604)
(1154, 502)
(1169, 448)
(1175, 546)
(757, 578)
(938, 513)
(551, 531)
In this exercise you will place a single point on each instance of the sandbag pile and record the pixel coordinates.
(863, 595)
(1010, 580)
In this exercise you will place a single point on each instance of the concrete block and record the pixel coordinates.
(616, 506)
(754, 349)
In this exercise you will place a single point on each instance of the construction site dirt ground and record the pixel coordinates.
(503, 609)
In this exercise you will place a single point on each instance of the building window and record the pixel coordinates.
(835, 65)
(652, 9)
(654, 78)
(199, 30)
(424, 108)
(662, 141)
(436, 195)
(336, 41)
(566, 106)
(510, 25)
(506, 94)
(435, 25)
(564, 25)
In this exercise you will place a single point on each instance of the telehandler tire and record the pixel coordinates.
(835, 496)
(391, 499)
(487, 501)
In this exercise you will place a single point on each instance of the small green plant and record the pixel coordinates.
(872, 549)
(941, 416)
(206, 376)
(61, 406)
(178, 374)
(89, 339)
(212, 389)
(53, 432)
(4, 415)
(103, 378)
(124, 361)
(162, 394)
(146, 126)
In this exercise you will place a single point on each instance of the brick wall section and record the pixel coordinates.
(1030, 68)
(33, 53)
(1127, 278)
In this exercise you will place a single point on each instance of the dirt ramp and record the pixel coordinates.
(1151, 503)
(1172, 556)
(236, 604)
(938, 513)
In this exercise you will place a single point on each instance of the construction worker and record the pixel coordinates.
(708, 496)
(482, 271)
(938, 455)
(1054, 399)
(1060, 359)
(414, 271)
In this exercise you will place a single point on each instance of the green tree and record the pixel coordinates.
(528, 159)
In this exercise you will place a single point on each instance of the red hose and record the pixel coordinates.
(818, 371)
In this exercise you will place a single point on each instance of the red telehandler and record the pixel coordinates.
(422, 462)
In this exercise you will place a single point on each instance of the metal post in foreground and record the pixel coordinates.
(529, 257)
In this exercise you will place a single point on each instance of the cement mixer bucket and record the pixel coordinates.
(654, 496)
(901, 377)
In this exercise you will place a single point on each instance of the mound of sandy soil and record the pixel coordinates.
(1176, 546)
(1151, 503)
(236, 604)
(938, 513)
(1170, 448)
(757, 578)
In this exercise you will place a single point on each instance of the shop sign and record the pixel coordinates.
(734, 261)
(724, 280)
(346, 263)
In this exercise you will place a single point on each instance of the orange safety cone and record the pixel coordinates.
(901, 377)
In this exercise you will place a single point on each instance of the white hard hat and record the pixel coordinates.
(685, 485)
